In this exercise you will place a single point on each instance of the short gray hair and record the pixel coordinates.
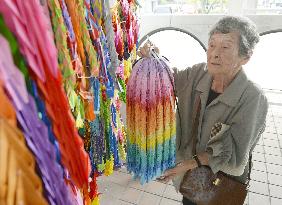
(249, 36)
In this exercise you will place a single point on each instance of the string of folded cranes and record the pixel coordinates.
(64, 67)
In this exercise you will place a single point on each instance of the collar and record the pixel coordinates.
(232, 93)
(204, 84)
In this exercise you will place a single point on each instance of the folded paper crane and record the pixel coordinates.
(150, 120)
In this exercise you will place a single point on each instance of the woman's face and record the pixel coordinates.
(223, 54)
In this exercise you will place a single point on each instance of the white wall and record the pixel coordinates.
(199, 25)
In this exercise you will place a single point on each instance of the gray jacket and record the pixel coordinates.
(241, 109)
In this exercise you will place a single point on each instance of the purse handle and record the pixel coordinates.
(195, 123)
(194, 134)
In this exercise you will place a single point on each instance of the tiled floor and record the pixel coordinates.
(265, 187)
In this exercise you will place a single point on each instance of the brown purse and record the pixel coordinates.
(203, 187)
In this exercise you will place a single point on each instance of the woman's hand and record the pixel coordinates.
(184, 166)
(180, 168)
(145, 50)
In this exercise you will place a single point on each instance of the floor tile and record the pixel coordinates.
(107, 199)
(270, 117)
(270, 125)
(136, 185)
(131, 195)
(270, 136)
(257, 199)
(260, 166)
(171, 193)
(269, 122)
(275, 179)
(275, 201)
(259, 176)
(271, 143)
(260, 142)
(275, 191)
(259, 187)
(123, 169)
(120, 178)
(155, 187)
(280, 143)
(274, 169)
(268, 130)
(165, 201)
(102, 178)
(273, 159)
(272, 150)
(120, 202)
(278, 123)
(102, 184)
(259, 149)
(169, 182)
(115, 190)
(148, 198)
(258, 157)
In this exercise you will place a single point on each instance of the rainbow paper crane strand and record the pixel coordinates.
(150, 119)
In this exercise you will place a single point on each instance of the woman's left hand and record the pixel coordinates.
(177, 170)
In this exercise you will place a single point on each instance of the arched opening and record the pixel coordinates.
(182, 48)
(264, 67)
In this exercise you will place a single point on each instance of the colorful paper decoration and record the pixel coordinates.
(18, 180)
(151, 129)
(34, 130)
(78, 74)
(19, 183)
(76, 10)
(103, 133)
(29, 24)
(126, 28)
(110, 36)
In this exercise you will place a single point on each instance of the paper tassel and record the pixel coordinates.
(110, 35)
(29, 25)
(151, 128)
(35, 131)
(59, 20)
(76, 8)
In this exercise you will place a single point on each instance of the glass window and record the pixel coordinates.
(184, 6)
(181, 49)
(269, 6)
(264, 67)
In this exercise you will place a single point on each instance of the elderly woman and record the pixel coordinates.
(227, 97)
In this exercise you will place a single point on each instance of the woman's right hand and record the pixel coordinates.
(145, 50)
(180, 168)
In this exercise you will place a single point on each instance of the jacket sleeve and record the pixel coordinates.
(229, 149)
(180, 78)
(190, 75)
